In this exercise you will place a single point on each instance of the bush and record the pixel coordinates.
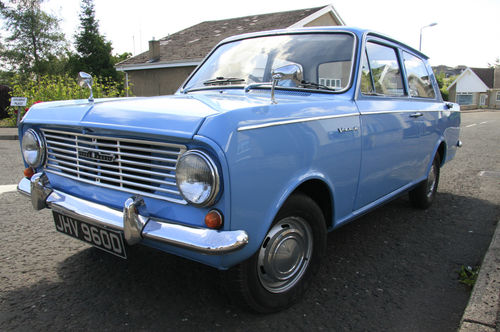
(444, 94)
(61, 87)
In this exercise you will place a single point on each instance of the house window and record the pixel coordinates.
(331, 82)
(498, 96)
(464, 98)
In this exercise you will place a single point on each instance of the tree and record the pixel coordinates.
(33, 40)
(93, 51)
(496, 64)
(441, 80)
(121, 57)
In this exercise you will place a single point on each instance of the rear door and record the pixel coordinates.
(427, 104)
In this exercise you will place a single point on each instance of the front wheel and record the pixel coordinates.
(283, 266)
(423, 195)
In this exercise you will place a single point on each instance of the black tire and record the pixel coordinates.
(268, 283)
(423, 195)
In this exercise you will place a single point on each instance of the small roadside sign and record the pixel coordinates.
(18, 101)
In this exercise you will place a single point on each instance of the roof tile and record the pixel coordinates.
(486, 75)
(193, 43)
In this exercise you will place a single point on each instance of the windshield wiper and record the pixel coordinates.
(256, 85)
(307, 84)
(303, 84)
(223, 81)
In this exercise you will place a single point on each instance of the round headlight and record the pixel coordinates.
(32, 148)
(197, 178)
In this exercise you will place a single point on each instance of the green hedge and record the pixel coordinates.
(50, 88)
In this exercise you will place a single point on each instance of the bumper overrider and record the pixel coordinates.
(134, 226)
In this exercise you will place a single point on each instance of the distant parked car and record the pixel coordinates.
(274, 140)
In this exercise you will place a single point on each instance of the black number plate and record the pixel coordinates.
(103, 238)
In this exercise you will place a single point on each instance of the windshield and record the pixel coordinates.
(325, 59)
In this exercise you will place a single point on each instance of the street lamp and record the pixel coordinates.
(427, 26)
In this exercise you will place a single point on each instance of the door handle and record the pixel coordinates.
(416, 115)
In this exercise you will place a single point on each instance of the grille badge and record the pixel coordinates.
(99, 156)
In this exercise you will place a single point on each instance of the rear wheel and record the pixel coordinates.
(423, 195)
(281, 269)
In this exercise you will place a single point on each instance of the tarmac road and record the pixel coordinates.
(395, 269)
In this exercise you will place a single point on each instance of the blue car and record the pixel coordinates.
(274, 140)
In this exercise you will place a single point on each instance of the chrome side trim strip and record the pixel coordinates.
(137, 227)
(405, 111)
(286, 122)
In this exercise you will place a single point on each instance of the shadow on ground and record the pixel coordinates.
(378, 270)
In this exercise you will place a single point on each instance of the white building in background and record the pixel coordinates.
(476, 88)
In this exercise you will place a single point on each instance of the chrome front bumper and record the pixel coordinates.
(134, 225)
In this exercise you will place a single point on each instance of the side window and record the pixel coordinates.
(419, 81)
(385, 70)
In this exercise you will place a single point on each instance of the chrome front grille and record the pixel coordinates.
(140, 167)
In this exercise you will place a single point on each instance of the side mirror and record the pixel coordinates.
(292, 73)
(85, 79)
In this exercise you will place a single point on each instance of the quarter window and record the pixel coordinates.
(418, 77)
(366, 77)
(385, 71)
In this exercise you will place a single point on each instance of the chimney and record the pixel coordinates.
(154, 50)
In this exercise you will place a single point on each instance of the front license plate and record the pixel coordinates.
(103, 238)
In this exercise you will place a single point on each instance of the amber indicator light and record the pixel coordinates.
(28, 172)
(213, 219)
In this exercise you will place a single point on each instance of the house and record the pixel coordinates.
(476, 88)
(170, 60)
(448, 71)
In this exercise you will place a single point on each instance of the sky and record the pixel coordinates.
(467, 32)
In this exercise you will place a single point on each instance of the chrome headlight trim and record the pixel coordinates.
(214, 173)
(32, 136)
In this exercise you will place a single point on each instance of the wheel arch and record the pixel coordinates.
(441, 151)
(319, 191)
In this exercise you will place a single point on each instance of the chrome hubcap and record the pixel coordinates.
(431, 181)
(285, 254)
